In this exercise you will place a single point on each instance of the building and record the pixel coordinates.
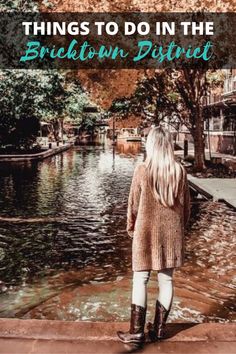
(220, 117)
(219, 110)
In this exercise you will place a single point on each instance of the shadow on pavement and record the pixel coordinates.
(172, 330)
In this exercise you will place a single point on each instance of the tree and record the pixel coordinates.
(26, 97)
(77, 99)
(152, 100)
(191, 86)
(19, 5)
(53, 105)
(175, 96)
(76, 104)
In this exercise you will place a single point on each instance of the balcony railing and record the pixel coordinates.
(229, 92)
(211, 99)
(230, 85)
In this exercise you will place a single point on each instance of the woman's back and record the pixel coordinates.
(157, 230)
(150, 199)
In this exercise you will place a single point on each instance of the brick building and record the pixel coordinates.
(219, 109)
(220, 113)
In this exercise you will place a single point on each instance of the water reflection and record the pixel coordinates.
(74, 233)
(86, 199)
(128, 149)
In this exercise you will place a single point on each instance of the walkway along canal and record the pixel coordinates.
(54, 150)
(73, 257)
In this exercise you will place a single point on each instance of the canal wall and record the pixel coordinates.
(85, 330)
(36, 336)
(35, 157)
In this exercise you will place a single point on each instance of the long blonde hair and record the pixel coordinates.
(165, 174)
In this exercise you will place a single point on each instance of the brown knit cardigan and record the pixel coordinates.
(157, 231)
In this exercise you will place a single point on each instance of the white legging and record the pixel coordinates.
(165, 280)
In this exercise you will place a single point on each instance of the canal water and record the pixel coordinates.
(62, 229)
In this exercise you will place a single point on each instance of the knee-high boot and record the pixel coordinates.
(137, 324)
(156, 329)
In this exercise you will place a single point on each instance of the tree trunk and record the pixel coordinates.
(61, 128)
(199, 142)
(56, 129)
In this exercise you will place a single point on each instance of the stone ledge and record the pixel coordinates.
(106, 331)
(38, 156)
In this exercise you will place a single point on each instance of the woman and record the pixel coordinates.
(158, 211)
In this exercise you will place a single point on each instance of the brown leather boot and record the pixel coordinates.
(156, 329)
(137, 324)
